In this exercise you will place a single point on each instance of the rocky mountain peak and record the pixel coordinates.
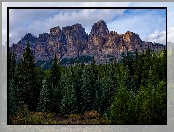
(43, 38)
(30, 37)
(76, 39)
(55, 31)
(73, 41)
(99, 28)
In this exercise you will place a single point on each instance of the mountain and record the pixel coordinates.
(74, 42)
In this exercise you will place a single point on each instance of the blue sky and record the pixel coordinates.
(149, 24)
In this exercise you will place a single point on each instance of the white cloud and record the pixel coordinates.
(52, 18)
(157, 37)
(19, 19)
(63, 18)
(141, 24)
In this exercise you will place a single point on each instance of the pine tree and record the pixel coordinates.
(19, 90)
(122, 108)
(30, 88)
(87, 91)
(12, 99)
(54, 78)
(160, 114)
(44, 104)
(55, 72)
(77, 79)
(164, 65)
(12, 86)
(106, 94)
(69, 98)
(97, 99)
(145, 105)
(129, 82)
(12, 65)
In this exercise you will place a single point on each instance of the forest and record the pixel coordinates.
(133, 91)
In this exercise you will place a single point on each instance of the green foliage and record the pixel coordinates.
(26, 83)
(122, 108)
(12, 99)
(129, 92)
(44, 104)
(77, 81)
(12, 66)
(151, 104)
(160, 103)
(53, 77)
(68, 61)
(145, 105)
(69, 97)
(86, 91)
(106, 94)
(45, 64)
(55, 73)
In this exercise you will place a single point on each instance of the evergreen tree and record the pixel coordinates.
(12, 99)
(164, 65)
(145, 105)
(55, 73)
(129, 82)
(122, 108)
(19, 90)
(54, 78)
(160, 114)
(107, 94)
(87, 91)
(97, 99)
(44, 104)
(12, 86)
(77, 79)
(30, 89)
(69, 97)
(12, 65)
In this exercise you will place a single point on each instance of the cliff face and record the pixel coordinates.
(97, 37)
(76, 40)
(73, 41)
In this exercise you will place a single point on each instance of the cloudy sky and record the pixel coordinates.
(149, 24)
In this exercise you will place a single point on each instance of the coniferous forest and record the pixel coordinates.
(132, 91)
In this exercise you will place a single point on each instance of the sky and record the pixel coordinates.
(149, 24)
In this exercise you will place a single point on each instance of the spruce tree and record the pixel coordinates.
(87, 91)
(13, 106)
(122, 108)
(12, 86)
(69, 98)
(12, 65)
(144, 106)
(129, 82)
(44, 104)
(77, 79)
(97, 99)
(54, 79)
(160, 108)
(106, 94)
(30, 88)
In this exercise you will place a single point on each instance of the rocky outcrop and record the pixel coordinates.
(31, 38)
(18, 49)
(43, 38)
(97, 37)
(73, 41)
(77, 40)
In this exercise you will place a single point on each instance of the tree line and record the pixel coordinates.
(129, 92)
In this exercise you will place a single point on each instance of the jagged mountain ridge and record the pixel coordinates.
(73, 41)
